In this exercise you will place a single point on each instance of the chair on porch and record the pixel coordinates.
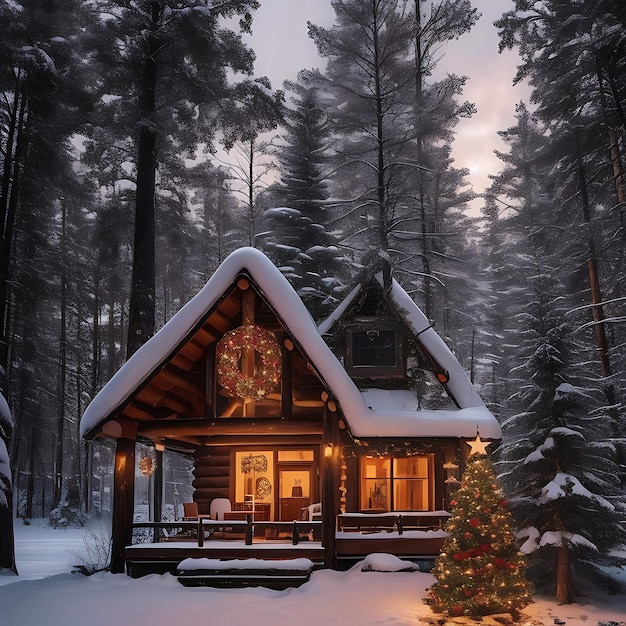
(190, 511)
(312, 512)
(219, 506)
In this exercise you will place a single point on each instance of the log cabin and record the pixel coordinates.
(347, 437)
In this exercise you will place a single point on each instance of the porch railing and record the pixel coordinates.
(399, 521)
(205, 529)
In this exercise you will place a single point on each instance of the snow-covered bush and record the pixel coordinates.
(68, 512)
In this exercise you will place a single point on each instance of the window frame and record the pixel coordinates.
(392, 481)
(374, 371)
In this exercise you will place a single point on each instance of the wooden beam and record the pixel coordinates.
(153, 396)
(248, 301)
(210, 384)
(231, 305)
(119, 428)
(181, 379)
(269, 440)
(204, 337)
(330, 483)
(192, 350)
(247, 357)
(156, 485)
(142, 411)
(229, 426)
(286, 386)
(182, 362)
(218, 321)
(191, 397)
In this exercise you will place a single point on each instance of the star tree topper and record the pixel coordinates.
(478, 446)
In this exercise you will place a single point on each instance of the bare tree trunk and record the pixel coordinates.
(564, 582)
(58, 466)
(419, 87)
(142, 300)
(592, 264)
(614, 148)
(95, 336)
(9, 209)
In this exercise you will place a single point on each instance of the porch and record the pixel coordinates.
(160, 547)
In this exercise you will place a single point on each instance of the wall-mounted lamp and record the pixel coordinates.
(147, 465)
(328, 450)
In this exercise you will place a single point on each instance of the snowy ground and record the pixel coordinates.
(47, 593)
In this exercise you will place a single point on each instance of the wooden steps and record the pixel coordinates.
(236, 573)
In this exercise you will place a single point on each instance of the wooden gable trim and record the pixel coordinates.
(179, 361)
(172, 391)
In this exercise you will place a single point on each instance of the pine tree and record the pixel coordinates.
(296, 232)
(559, 463)
(369, 80)
(558, 457)
(480, 570)
(164, 80)
(582, 108)
(397, 196)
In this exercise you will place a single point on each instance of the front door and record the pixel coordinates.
(294, 490)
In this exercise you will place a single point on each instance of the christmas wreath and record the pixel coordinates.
(267, 369)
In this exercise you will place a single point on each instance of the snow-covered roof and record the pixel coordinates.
(459, 385)
(385, 421)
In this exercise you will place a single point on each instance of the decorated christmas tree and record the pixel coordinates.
(480, 570)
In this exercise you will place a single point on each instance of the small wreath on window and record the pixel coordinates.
(267, 369)
(263, 488)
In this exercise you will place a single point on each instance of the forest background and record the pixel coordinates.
(138, 149)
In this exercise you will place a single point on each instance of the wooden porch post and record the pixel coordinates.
(157, 495)
(123, 502)
(330, 466)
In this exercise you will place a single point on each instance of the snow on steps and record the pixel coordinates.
(231, 573)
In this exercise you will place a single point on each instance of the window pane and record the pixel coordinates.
(375, 483)
(411, 495)
(373, 347)
(412, 486)
(412, 467)
(294, 455)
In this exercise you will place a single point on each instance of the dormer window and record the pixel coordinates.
(373, 351)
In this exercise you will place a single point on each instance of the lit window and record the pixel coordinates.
(397, 484)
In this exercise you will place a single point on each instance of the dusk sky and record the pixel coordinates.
(283, 47)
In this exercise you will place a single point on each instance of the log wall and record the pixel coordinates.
(211, 476)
